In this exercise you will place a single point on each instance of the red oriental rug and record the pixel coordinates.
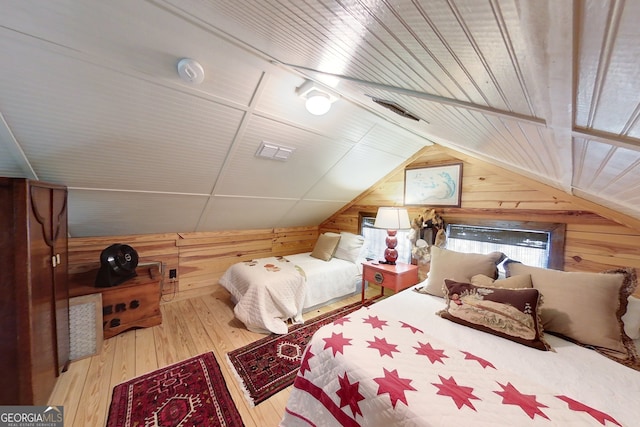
(189, 393)
(270, 364)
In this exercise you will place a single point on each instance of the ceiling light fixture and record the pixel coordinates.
(318, 99)
(318, 103)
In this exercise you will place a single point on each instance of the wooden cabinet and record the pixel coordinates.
(397, 277)
(132, 304)
(34, 298)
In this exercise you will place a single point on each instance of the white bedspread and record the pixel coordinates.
(278, 296)
(271, 291)
(397, 363)
(326, 280)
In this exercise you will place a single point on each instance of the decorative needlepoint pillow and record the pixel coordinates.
(325, 246)
(507, 313)
(458, 266)
(586, 308)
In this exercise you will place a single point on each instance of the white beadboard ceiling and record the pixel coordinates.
(90, 98)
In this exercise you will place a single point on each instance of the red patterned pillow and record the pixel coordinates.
(507, 313)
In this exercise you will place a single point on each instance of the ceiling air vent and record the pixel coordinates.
(390, 105)
(271, 151)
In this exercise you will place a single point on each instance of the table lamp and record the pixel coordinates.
(392, 219)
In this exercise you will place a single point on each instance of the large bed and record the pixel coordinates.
(406, 361)
(270, 292)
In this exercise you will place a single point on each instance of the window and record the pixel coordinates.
(535, 244)
(375, 240)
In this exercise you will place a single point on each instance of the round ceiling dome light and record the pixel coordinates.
(190, 71)
(318, 103)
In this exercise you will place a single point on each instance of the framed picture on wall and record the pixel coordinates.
(433, 185)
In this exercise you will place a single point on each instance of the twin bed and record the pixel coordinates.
(456, 354)
(270, 292)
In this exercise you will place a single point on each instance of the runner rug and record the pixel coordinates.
(189, 393)
(270, 364)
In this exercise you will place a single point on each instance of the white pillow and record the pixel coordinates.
(631, 318)
(349, 246)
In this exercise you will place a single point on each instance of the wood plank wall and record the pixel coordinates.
(597, 239)
(200, 259)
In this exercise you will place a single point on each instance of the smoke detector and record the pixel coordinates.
(190, 71)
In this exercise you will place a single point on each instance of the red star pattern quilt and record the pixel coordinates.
(397, 363)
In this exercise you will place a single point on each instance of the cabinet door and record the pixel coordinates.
(60, 282)
(43, 344)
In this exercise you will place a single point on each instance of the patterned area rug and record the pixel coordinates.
(270, 364)
(189, 393)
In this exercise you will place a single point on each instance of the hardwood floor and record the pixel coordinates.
(189, 327)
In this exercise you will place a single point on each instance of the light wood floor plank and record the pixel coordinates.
(96, 394)
(189, 327)
(146, 358)
(179, 336)
(69, 388)
(124, 358)
(202, 342)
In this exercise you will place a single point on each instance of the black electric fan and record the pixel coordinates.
(118, 263)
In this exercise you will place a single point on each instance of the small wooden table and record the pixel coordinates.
(397, 277)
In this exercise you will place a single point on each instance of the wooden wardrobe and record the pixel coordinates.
(34, 297)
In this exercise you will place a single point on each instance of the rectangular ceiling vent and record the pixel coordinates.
(390, 105)
(267, 150)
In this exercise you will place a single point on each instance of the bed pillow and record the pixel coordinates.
(349, 247)
(508, 313)
(513, 282)
(585, 307)
(458, 266)
(631, 318)
(325, 246)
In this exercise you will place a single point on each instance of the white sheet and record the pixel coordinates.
(580, 373)
(326, 280)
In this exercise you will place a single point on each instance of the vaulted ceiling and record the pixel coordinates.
(90, 97)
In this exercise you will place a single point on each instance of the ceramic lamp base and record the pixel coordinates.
(391, 254)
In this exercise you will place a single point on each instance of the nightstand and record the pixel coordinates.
(397, 277)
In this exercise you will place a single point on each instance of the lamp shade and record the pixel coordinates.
(392, 219)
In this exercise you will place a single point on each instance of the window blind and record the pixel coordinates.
(523, 238)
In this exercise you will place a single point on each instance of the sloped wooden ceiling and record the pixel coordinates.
(90, 98)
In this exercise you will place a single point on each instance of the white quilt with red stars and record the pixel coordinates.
(374, 368)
